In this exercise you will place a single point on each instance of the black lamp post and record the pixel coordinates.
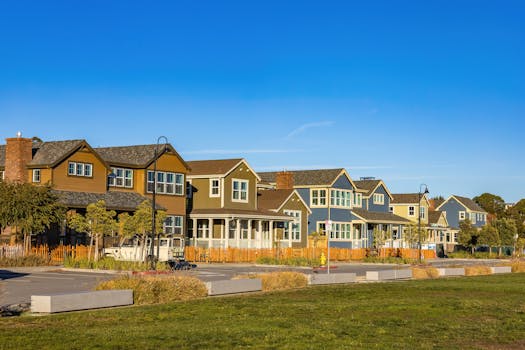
(420, 194)
(153, 203)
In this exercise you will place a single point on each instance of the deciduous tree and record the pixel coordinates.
(468, 235)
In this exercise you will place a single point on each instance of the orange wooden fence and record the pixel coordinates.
(58, 253)
(407, 253)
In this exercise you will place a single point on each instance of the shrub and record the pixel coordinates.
(477, 270)
(299, 261)
(424, 272)
(25, 261)
(279, 280)
(518, 266)
(158, 289)
(388, 260)
(107, 263)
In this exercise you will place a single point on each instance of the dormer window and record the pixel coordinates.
(80, 169)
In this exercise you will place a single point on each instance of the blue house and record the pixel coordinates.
(331, 194)
(458, 208)
(373, 209)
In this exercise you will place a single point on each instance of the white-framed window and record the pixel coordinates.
(321, 228)
(411, 210)
(293, 228)
(215, 188)
(173, 225)
(341, 231)
(379, 198)
(422, 212)
(317, 198)
(462, 215)
(391, 209)
(341, 198)
(80, 169)
(36, 175)
(123, 178)
(240, 190)
(167, 183)
(358, 200)
(244, 229)
(473, 218)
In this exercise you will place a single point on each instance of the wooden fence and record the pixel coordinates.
(225, 255)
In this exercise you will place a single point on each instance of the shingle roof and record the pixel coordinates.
(438, 202)
(212, 167)
(139, 155)
(50, 153)
(404, 198)
(321, 177)
(114, 199)
(368, 185)
(433, 216)
(240, 213)
(272, 199)
(470, 204)
(379, 217)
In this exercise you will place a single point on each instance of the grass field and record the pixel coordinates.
(486, 312)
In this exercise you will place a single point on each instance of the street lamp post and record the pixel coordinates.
(154, 205)
(420, 194)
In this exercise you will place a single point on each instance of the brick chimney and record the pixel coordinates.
(284, 180)
(18, 153)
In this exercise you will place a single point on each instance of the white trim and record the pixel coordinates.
(414, 210)
(218, 187)
(298, 219)
(346, 196)
(326, 198)
(241, 181)
(37, 174)
(378, 198)
(300, 199)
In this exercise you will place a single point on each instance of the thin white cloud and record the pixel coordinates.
(239, 151)
(305, 127)
(318, 166)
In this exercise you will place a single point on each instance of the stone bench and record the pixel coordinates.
(63, 302)
(451, 271)
(388, 275)
(501, 269)
(332, 278)
(234, 286)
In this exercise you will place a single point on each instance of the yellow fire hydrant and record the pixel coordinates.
(323, 259)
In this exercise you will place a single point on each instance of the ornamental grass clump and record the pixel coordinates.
(424, 272)
(25, 261)
(518, 266)
(280, 280)
(477, 270)
(158, 289)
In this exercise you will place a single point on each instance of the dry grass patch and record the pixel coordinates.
(477, 270)
(517, 266)
(280, 280)
(158, 289)
(424, 272)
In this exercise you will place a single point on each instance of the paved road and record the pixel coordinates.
(17, 285)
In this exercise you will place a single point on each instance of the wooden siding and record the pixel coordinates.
(242, 172)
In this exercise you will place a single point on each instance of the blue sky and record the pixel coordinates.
(408, 91)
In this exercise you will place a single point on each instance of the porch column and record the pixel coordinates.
(249, 233)
(259, 234)
(270, 228)
(238, 232)
(226, 231)
(210, 232)
(290, 227)
(195, 221)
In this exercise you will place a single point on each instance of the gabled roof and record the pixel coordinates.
(379, 217)
(51, 153)
(140, 156)
(275, 199)
(319, 177)
(434, 216)
(466, 202)
(407, 198)
(216, 167)
(115, 200)
(370, 186)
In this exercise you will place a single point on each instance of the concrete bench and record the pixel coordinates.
(501, 269)
(451, 271)
(332, 278)
(234, 286)
(388, 275)
(80, 300)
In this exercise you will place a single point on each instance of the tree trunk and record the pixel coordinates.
(90, 247)
(96, 247)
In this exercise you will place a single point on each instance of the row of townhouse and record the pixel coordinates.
(225, 203)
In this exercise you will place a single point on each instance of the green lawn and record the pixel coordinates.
(485, 312)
